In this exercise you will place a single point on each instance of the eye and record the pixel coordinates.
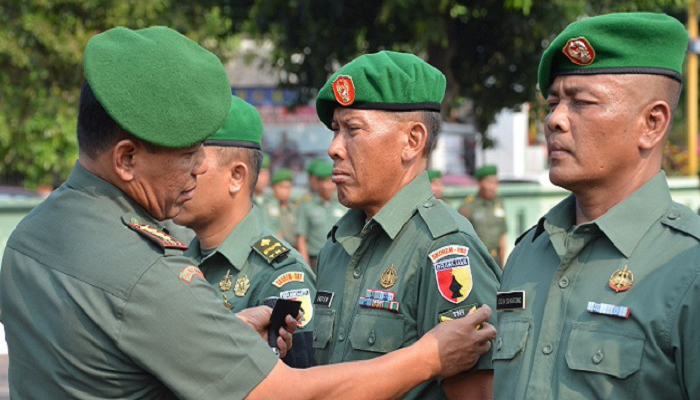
(552, 104)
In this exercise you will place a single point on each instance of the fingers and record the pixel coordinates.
(487, 331)
(284, 341)
(290, 324)
(479, 316)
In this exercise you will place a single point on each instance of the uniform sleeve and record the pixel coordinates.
(453, 282)
(302, 224)
(175, 326)
(684, 340)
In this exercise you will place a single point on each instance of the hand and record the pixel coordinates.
(259, 319)
(460, 343)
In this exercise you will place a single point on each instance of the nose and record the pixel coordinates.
(337, 149)
(557, 120)
(201, 165)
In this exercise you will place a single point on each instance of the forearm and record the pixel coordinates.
(353, 380)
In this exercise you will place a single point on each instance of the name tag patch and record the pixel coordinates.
(324, 298)
(609, 309)
(380, 299)
(514, 300)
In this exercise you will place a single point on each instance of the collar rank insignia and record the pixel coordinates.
(225, 284)
(158, 236)
(188, 273)
(389, 277)
(242, 286)
(579, 51)
(344, 90)
(270, 248)
(621, 280)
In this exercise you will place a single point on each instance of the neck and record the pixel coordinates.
(214, 233)
(593, 202)
(390, 190)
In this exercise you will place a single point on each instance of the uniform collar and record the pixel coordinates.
(87, 182)
(237, 245)
(625, 223)
(391, 217)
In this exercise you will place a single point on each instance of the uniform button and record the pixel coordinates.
(499, 344)
(371, 338)
(341, 335)
(598, 356)
(674, 214)
(547, 349)
(356, 273)
(563, 282)
(315, 335)
(427, 204)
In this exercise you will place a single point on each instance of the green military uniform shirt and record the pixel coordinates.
(97, 303)
(563, 345)
(252, 264)
(390, 279)
(315, 219)
(489, 220)
(282, 219)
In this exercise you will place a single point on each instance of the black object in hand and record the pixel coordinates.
(280, 309)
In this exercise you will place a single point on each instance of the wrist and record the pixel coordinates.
(427, 353)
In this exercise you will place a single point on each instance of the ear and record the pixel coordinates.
(657, 120)
(239, 177)
(124, 156)
(416, 140)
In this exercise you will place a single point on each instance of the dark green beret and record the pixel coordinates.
(382, 81)
(158, 85)
(265, 161)
(312, 165)
(323, 169)
(241, 128)
(484, 171)
(622, 43)
(434, 174)
(281, 174)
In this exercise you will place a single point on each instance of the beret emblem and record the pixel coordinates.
(344, 90)
(579, 51)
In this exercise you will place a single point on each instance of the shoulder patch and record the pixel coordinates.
(682, 219)
(156, 235)
(286, 277)
(271, 249)
(438, 219)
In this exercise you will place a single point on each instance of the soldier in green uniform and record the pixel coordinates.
(485, 212)
(282, 212)
(315, 218)
(244, 260)
(601, 298)
(260, 195)
(435, 177)
(97, 302)
(400, 261)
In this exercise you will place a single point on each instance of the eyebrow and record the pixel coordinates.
(570, 90)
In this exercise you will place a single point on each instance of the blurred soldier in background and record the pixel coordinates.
(280, 211)
(315, 218)
(485, 212)
(435, 177)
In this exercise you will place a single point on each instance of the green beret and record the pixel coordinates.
(484, 171)
(623, 43)
(241, 128)
(312, 165)
(265, 161)
(157, 84)
(323, 169)
(282, 174)
(434, 174)
(382, 81)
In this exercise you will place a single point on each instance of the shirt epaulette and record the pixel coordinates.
(682, 219)
(438, 218)
(272, 249)
(154, 234)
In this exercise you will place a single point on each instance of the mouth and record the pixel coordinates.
(339, 176)
(556, 150)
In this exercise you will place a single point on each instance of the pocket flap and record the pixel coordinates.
(323, 326)
(614, 354)
(377, 331)
(512, 335)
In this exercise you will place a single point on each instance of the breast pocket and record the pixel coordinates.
(324, 318)
(508, 349)
(602, 363)
(377, 331)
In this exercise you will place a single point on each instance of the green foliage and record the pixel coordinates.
(41, 47)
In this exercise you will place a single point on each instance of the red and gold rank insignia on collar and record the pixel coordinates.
(344, 90)
(158, 235)
(579, 51)
(189, 272)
